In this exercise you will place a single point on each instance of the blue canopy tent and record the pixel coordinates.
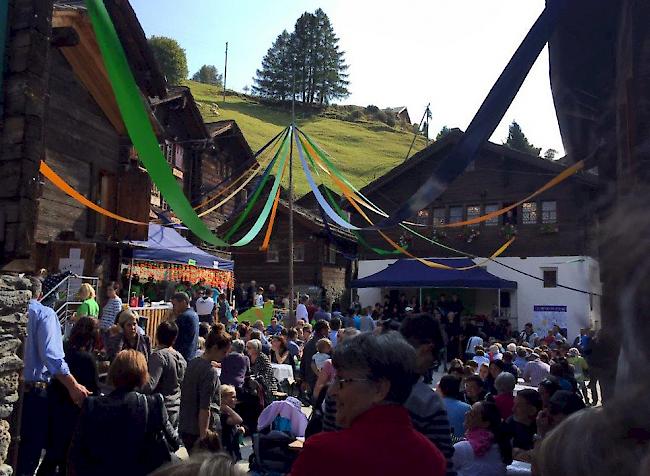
(410, 273)
(165, 244)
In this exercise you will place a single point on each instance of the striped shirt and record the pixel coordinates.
(429, 417)
(536, 371)
(109, 313)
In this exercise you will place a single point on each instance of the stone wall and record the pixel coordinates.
(14, 296)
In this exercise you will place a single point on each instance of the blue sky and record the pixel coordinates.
(411, 52)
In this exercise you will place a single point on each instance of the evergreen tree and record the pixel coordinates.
(312, 56)
(208, 74)
(518, 141)
(443, 132)
(171, 58)
(274, 79)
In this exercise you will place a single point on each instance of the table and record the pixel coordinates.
(283, 372)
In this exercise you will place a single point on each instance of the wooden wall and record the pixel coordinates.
(495, 179)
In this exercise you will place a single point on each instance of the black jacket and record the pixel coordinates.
(113, 436)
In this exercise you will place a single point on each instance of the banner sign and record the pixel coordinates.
(545, 317)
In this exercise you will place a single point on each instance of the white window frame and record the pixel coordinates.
(331, 254)
(298, 252)
(529, 213)
(549, 216)
(473, 211)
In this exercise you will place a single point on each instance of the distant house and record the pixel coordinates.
(401, 113)
(309, 201)
(554, 241)
(323, 263)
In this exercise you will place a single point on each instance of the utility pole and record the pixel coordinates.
(225, 73)
(291, 132)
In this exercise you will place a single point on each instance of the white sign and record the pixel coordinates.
(545, 317)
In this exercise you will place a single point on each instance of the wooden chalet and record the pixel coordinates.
(309, 201)
(321, 261)
(400, 113)
(557, 222)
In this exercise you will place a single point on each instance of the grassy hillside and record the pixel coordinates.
(362, 150)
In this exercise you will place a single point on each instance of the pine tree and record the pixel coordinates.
(517, 140)
(274, 79)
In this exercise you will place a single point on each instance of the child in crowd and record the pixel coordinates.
(230, 422)
(324, 348)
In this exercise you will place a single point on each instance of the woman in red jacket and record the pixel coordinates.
(374, 376)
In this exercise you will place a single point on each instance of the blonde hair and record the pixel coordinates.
(86, 291)
(126, 315)
(323, 344)
(128, 370)
(227, 390)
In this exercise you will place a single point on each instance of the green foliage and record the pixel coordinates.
(171, 58)
(517, 140)
(208, 74)
(443, 132)
(355, 115)
(550, 154)
(362, 150)
(310, 58)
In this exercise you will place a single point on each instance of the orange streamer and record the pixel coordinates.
(269, 229)
(58, 182)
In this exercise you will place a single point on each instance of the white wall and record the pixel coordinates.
(575, 271)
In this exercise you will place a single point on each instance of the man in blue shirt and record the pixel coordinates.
(449, 389)
(187, 320)
(44, 359)
(274, 328)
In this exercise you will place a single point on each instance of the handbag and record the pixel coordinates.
(160, 440)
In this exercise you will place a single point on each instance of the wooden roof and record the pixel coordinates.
(228, 130)
(182, 106)
(442, 146)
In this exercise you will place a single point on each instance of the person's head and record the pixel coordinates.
(228, 395)
(457, 372)
(254, 349)
(324, 346)
(128, 371)
(479, 351)
(306, 332)
(449, 386)
(451, 316)
(180, 302)
(84, 334)
(204, 329)
(255, 334)
(292, 334)
(423, 332)
(486, 416)
(528, 403)
(86, 291)
(521, 353)
(473, 386)
(237, 346)
(166, 333)
(484, 371)
(474, 365)
(260, 290)
(543, 356)
(217, 345)
(505, 383)
(508, 357)
(496, 367)
(202, 463)
(371, 370)
(547, 389)
(279, 344)
(335, 324)
(321, 329)
(528, 328)
(259, 325)
(221, 297)
(128, 321)
(348, 333)
(562, 404)
(274, 321)
(111, 290)
(456, 363)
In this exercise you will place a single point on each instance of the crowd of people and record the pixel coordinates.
(366, 374)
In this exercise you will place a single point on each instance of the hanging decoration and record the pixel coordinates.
(161, 271)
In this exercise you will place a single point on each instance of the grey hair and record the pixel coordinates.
(202, 464)
(237, 346)
(380, 357)
(257, 345)
(505, 383)
(349, 332)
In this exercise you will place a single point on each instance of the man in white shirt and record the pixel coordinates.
(205, 308)
(301, 309)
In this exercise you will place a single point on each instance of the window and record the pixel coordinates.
(550, 277)
(473, 211)
(455, 214)
(299, 252)
(492, 221)
(178, 156)
(330, 254)
(422, 217)
(439, 216)
(272, 254)
(529, 213)
(549, 212)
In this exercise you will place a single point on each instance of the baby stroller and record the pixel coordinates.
(278, 426)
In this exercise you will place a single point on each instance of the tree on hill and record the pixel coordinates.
(208, 74)
(310, 55)
(443, 132)
(171, 58)
(550, 154)
(517, 140)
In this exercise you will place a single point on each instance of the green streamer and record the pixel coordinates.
(137, 122)
(253, 200)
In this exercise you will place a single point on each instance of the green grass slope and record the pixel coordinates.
(362, 150)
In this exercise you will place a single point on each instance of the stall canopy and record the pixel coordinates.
(410, 273)
(166, 245)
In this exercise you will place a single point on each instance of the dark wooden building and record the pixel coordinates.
(557, 222)
(321, 262)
